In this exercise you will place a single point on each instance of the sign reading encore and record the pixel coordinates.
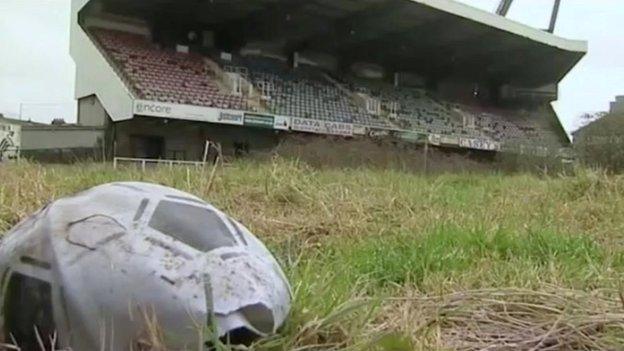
(187, 112)
(152, 107)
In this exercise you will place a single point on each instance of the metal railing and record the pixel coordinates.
(144, 162)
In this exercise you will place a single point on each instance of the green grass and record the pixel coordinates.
(423, 260)
(367, 249)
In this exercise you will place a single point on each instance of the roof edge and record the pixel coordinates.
(493, 20)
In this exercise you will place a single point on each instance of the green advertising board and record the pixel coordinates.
(412, 137)
(259, 121)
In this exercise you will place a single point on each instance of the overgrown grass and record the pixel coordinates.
(453, 253)
(369, 252)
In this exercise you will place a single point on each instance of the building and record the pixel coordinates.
(162, 78)
(617, 106)
(54, 142)
(604, 128)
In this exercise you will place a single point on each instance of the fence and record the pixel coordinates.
(144, 162)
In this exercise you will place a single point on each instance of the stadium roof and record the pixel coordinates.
(432, 37)
(19, 122)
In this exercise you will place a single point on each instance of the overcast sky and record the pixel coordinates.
(37, 72)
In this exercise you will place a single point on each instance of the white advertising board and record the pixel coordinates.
(378, 133)
(321, 127)
(449, 140)
(359, 129)
(479, 144)
(187, 112)
(435, 139)
(282, 123)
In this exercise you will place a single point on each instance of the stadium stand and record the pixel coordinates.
(164, 75)
(509, 126)
(410, 108)
(305, 92)
(419, 72)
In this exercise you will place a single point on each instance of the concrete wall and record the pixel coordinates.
(186, 140)
(320, 59)
(94, 74)
(114, 22)
(47, 138)
(91, 113)
(549, 92)
(461, 91)
(618, 105)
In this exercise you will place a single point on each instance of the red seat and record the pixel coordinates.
(165, 75)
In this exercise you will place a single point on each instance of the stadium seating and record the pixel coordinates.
(164, 75)
(308, 92)
(511, 126)
(413, 109)
(305, 92)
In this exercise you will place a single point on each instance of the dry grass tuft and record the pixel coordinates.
(511, 319)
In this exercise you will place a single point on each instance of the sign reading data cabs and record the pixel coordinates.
(259, 121)
(321, 127)
(479, 144)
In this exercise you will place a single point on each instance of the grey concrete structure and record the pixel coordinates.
(62, 142)
(144, 137)
(19, 122)
(61, 137)
(617, 106)
(91, 112)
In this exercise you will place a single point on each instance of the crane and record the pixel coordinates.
(504, 5)
(554, 16)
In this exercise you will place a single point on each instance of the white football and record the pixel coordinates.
(121, 263)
